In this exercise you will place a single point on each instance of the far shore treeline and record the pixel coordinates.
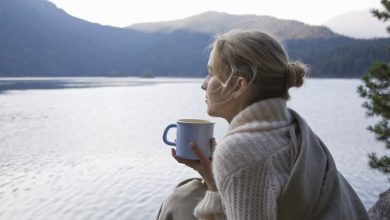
(39, 39)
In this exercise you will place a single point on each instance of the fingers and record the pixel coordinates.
(191, 163)
(199, 153)
(213, 143)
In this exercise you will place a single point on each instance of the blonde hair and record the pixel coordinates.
(260, 59)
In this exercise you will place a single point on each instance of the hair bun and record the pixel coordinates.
(296, 72)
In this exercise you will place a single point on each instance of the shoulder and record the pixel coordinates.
(245, 150)
(238, 163)
(253, 145)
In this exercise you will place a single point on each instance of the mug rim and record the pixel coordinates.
(194, 121)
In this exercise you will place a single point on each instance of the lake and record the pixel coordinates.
(91, 148)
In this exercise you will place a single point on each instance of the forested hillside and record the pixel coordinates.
(39, 39)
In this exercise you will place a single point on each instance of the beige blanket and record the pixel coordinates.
(181, 203)
(315, 189)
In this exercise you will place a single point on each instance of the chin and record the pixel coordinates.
(212, 112)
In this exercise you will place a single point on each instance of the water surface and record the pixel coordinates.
(91, 148)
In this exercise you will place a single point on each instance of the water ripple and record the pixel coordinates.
(96, 153)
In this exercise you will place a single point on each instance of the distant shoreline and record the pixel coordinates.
(140, 77)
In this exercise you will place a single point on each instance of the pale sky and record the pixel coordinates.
(121, 13)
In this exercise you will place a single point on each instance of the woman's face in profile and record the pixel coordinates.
(216, 100)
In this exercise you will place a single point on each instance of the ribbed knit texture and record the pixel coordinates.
(271, 165)
(251, 164)
(210, 207)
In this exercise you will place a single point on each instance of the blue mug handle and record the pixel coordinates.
(166, 132)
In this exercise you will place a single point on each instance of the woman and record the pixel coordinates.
(270, 164)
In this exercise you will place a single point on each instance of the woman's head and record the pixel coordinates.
(255, 65)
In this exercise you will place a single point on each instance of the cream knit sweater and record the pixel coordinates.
(258, 170)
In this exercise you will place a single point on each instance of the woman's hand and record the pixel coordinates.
(202, 166)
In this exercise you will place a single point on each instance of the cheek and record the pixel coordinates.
(214, 86)
(215, 98)
(211, 92)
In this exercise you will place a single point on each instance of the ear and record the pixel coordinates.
(240, 87)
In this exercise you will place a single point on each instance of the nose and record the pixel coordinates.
(204, 84)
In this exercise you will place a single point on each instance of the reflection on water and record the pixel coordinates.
(7, 84)
(91, 148)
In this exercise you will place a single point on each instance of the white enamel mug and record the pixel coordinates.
(187, 130)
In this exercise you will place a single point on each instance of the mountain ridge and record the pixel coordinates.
(358, 24)
(39, 39)
(212, 22)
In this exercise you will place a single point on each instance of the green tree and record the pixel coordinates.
(376, 91)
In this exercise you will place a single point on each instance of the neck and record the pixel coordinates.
(236, 109)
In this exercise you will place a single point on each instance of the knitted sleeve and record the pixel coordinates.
(210, 208)
(252, 192)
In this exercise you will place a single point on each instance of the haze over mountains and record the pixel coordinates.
(217, 22)
(39, 39)
(358, 24)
